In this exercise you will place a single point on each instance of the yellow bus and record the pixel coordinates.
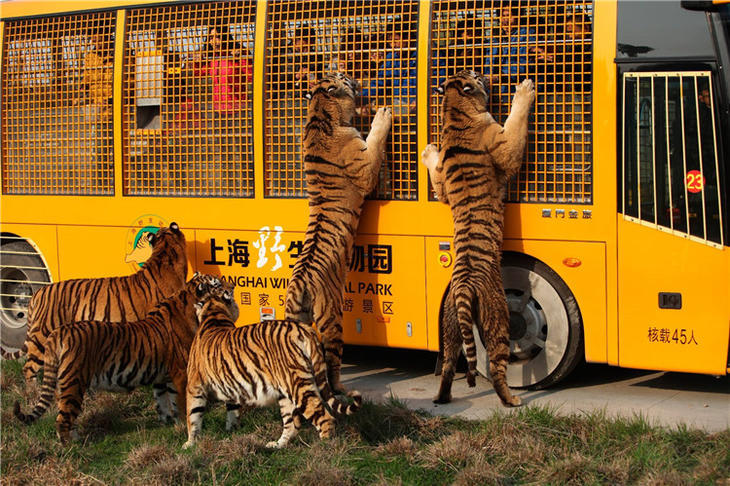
(119, 117)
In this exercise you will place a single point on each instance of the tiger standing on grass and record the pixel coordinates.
(122, 356)
(477, 159)
(341, 170)
(110, 299)
(257, 365)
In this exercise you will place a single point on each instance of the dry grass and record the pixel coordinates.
(123, 443)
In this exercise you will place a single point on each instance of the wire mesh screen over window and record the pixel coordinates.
(188, 100)
(57, 100)
(670, 160)
(549, 42)
(375, 43)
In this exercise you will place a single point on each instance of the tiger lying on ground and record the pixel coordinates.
(470, 174)
(121, 356)
(341, 169)
(257, 365)
(111, 299)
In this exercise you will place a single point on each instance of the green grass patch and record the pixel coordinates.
(384, 444)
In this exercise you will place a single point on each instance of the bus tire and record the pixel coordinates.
(22, 272)
(546, 328)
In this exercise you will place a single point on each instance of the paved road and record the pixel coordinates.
(662, 398)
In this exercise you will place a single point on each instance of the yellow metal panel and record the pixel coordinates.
(260, 263)
(604, 148)
(44, 238)
(693, 338)
(22, 8)
(104, 251)
(258, 98)
(118, 56)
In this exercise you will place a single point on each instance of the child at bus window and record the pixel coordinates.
(221, 59)
(229, 74)
(351, 59)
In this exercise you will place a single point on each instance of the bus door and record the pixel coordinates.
(672, 247)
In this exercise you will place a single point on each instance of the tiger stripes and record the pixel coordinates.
(256, 365)
(341, 170)
(477, 158)
(120, 357)
(111, 299)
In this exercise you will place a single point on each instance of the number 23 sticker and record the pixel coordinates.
(695, 181)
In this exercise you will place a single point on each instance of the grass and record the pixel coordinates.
(122, 442)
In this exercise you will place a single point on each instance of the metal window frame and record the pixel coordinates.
(694, 75)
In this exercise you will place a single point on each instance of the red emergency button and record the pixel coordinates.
(445, 259)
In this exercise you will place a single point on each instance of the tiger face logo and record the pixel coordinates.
(138, 248)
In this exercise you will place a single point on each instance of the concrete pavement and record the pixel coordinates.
(662, 398)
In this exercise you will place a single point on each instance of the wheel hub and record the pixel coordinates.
(15, 296)
(528, 326)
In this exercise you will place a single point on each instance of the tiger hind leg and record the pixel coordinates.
(311, 408)
(290, 418)
(163, 403)
(496, 339)
(196, 401)
(34, 351)
(69, 408)
(233, 415)
(451, 343)
(331, 329)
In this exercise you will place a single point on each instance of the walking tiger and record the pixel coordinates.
(122, 356)
(271, 361)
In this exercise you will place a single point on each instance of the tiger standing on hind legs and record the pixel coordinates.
(341, 170)
(470, 173)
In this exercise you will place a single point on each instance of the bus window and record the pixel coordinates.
(57, 95)
(374, 42)
(507, 42)
(188, 100)
(670, 164)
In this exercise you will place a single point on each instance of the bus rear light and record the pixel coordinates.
(572, 262)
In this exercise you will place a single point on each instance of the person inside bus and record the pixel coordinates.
(230, 74)
(97, 77)
(351, 58)
(511, 55)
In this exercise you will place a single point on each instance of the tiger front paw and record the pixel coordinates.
(383, 120)
(525, 93)
(430, 157)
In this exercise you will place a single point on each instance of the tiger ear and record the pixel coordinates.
(200, 290)
(198, 306)
(467, 89)
(308, 95)
(227, 297)
(331, 89)
(174, 227)
(151, 238)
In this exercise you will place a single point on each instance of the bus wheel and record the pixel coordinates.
(546, 329)
(22, 272)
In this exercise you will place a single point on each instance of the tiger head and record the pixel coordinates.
(202, 283)
(466, 88)
(216, 301)
(167, 240)
(336, 94)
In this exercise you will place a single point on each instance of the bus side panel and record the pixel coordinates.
(386, 291)
(104, 251)
(45, 239)
(384, 299)
(587, 282)
(693, 338)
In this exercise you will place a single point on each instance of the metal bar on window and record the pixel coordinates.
(669, 159)
(653, 150)
(623, 148)
(717, 166)
(699, 151)
(638, 148)
(684, 154)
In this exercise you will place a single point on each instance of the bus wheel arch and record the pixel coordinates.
(23, 271)
(546, 327)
